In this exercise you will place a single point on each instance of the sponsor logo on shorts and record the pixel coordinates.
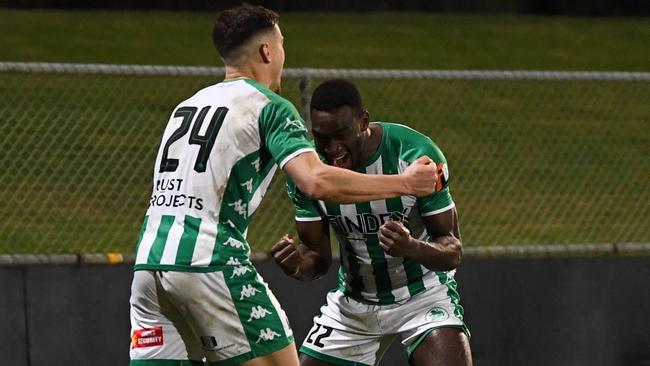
(209, 342)
(437, 314)
(147, 337)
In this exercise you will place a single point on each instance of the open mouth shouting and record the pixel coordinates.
(343, 160)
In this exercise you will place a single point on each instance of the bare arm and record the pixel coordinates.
(323, 182)
(442, 253)
(310, 259)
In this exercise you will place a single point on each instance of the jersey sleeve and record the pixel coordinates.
(306, 209)
(440, 200)
(283, 131)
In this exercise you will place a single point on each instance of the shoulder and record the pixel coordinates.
(408, 142)
(242, 94)
(274, 101)
(245, 92)
(401, 132)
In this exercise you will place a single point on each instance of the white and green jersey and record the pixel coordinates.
(215, 162)
(367, 273)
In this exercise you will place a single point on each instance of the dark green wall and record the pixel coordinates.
(533, 312)
(549, 7)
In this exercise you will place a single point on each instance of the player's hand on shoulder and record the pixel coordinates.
(286, 255)
(395, 239)
(421, 176)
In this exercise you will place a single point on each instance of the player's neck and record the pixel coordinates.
(372, 141)
(243, 72)
(233, 73)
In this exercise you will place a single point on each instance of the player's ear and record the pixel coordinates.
(365, 120)
(265, 53)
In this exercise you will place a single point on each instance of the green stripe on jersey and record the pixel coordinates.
(412, 268)
(142, 230)
(231, 248)
(414, 276)
(356, 226)
(188, 241)
(356, 285)
(379, 263)
(155, 254)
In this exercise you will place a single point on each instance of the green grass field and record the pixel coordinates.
(533, 162)
(384, 40)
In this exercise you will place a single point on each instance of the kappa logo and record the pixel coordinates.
(267, 335)
(233, 261)
(240, 271)
(234, 243)
(248, 291)
(256, 164)
(437, 314)
(147, 337)
(295, 125)
(231, 224)
(239, 206)
(249, 185)
(258, 312)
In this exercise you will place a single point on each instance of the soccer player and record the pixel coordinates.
(398, 255)
(195, 295)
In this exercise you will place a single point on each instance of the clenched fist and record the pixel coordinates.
(421, 176)
(396, 240)
(286, 255)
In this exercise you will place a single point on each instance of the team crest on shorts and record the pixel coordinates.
(147, 337)
(437, 314)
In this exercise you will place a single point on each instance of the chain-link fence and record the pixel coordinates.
(535, 157)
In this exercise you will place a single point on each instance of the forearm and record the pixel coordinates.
(440, 254)
(313, 265)
(323, 182)
(345, 186)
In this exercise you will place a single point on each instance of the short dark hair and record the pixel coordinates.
(237, 25)
(336, 93)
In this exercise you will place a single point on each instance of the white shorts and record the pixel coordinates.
(348, 332)
(225, 317)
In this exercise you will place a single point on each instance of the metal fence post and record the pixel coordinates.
(303, 85)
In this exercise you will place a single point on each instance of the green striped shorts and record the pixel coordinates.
(224, 317)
